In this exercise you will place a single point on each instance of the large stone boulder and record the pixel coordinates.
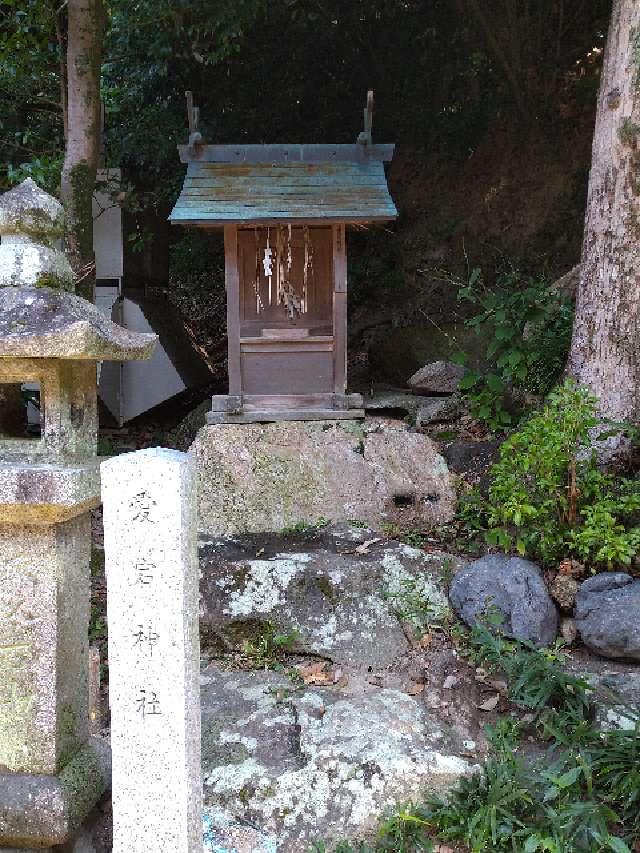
(266, 477)
(515, 589)
(438, 377)
(285, 766)
(608, 615)
(339, 590)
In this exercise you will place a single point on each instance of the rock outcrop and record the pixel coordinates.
(340, 592)
(266, 477)
(285, 766)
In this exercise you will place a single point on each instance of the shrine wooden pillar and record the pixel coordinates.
(339, 310)
(232, 286)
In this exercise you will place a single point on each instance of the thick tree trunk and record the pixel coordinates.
(605, 350)
(85, 31)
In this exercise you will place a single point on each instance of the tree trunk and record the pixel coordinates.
(605, 350)
(85, 31)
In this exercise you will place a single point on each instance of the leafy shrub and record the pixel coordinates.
(527, 329)
(44, 170)
(536, 677)
(548, 500)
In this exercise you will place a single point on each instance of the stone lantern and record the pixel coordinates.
(51, 771)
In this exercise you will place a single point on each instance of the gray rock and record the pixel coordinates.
(473, 457)
(298, 765)
(439, 409)
(266, 477)
(608, 615)
(396, 400)
(341, 603)
(513, 587)
(615, 690)
(438, 377)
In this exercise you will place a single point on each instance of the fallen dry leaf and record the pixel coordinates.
(490, 703)
(415, 689)
(364, 548)
(572, 568)
(425, 641)
(316, 673)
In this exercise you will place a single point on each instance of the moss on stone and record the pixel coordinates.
(82, 180)
(83, 783)
(241, 630)
(55, 282)
(326, 588)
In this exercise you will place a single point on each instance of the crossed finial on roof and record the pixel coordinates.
(193, 117)
(365, 137)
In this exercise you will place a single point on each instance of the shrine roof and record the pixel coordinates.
(38, 322)
(260, 184)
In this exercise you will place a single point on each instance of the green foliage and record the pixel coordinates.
(412, 604)
(44, 170)
(305, 527)
(527, 329)
(547, 498)
(267, 649)
(536, 677)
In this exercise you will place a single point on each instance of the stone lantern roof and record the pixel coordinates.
(29, 210)
(38, 322)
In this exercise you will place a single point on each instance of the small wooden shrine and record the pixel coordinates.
(284, 210)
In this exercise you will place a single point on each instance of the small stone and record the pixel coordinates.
(439, 409)
(438, 377)
(568, 630)
(489, 704)
(469, 745)
(450, 682)
(563, 591)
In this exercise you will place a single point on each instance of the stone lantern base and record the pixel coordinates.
(49, 810)
(51, 771)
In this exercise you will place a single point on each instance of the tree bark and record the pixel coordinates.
(85, 32)
(605, 349)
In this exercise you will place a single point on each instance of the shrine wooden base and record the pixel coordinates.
(259, 408)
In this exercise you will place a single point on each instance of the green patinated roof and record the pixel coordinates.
(219, 193)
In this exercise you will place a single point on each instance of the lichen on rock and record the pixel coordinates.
(322, 763)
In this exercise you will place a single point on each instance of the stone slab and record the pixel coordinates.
(152, 589)
(38, 493)
(44, 646)
(341, 604)
(46, 809)
(266, 477)
(286, 766)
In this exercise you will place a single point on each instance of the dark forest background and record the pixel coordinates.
(491, 106)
